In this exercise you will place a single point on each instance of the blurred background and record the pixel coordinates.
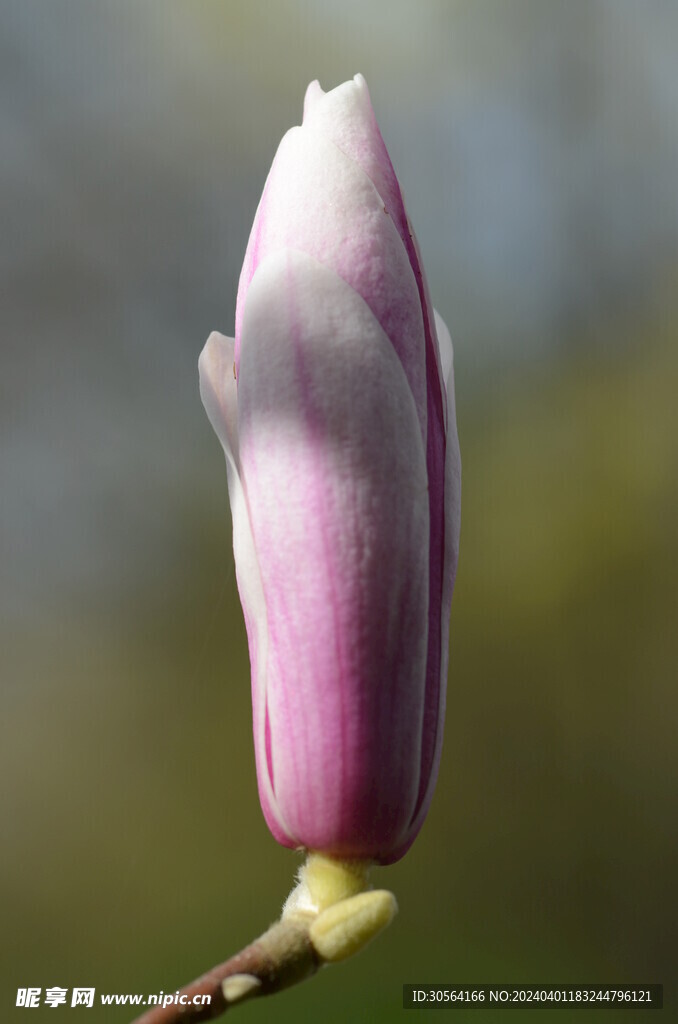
(537, 146)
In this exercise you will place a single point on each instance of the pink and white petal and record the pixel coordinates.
(436, 675)
(452, 466)
(319, 201)
(219, 396)
(314, 94)
(218, 391)
(346, 117)
(451, 553)
(334, 467)
(452, 528)
(452, 477)
(445, 350)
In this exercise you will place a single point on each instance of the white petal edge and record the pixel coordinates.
(218, 390)
(445, 350)
(452, 499)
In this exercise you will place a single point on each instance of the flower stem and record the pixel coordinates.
(330, 915)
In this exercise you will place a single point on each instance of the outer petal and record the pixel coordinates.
(345, 116)
(452, 527)
(219, 396)
(434, 714)
(452, 480)
(319, 200)
(334, 468)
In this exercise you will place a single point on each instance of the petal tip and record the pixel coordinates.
(216, 354)
(314, 93)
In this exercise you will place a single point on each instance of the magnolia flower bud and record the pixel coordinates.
(335, 406)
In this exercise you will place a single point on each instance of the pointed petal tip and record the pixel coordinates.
(445, 346)
(218, 390)
(314, 93)
(216, 354)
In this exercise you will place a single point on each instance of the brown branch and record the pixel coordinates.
(280, 957)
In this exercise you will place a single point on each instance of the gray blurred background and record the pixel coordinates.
(537, 146)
